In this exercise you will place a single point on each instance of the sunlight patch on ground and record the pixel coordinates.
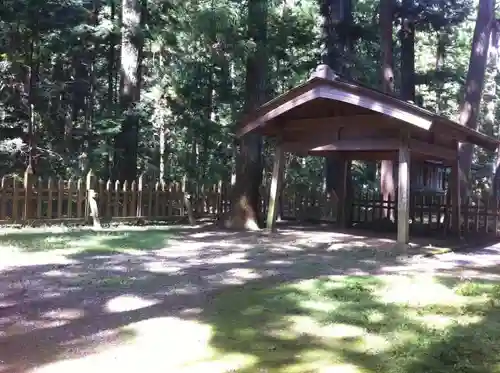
(20, 326)
(442, 321)
(351, 244)
(64, 314)
(237, 276)
(417, 291)
(16, 259)
(159, 267)
(230, 258)
(128, 302)
(59, 273)
(164, 344)
(306, 324)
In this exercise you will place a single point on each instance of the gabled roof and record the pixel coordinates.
(321, 93)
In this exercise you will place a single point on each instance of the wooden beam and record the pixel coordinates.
(327, 145)
(318, 134)
(432, 150)
(338, 121)
(287, 105)
(403, 237)
(359, 145)
(320, 144)
(278, 168)
(310, 140)
(409, 115)
(357, 156)
(464, 134)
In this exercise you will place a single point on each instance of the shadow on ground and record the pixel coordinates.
(249, 288)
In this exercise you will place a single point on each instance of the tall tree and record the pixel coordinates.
(491, 102)
(387, 186)
(130, 75)
(246, 198)
(469, 108)
(407, 40)
(337, 46)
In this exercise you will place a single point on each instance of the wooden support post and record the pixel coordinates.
(455, 195)
(403, 237)
(349, 195)
(342, 206)
(278, 168)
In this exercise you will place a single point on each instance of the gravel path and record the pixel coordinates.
(66, 310)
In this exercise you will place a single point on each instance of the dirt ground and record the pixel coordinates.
(70, 309)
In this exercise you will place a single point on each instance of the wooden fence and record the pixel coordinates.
(429, 213)
(52, 200)
(48, 200)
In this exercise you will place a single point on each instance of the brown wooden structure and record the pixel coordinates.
(329, 116)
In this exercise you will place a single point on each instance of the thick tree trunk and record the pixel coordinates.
(387, 185)
(491, 102)
(246, 198)
(131, 53)
(336, 52)
(57, 100)
(474, 83)
(32, 95)
(407, 39)
(111, 72)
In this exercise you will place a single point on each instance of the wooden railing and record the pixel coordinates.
(430, 213)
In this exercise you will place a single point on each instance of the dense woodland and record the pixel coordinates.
(157, 86)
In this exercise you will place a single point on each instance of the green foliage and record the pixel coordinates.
(192, 77)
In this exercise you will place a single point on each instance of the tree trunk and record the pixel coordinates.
(491, 102)
(131, 53)
(474, 83)
(336, 15)
(407, 39)
(440, 56)
(111, 72)
(246, 198)
(386, 168)
(57, 105)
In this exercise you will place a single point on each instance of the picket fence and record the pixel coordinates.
(37, 199)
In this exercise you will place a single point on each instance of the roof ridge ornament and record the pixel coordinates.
(324, 71)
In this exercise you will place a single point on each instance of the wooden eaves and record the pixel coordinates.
(322, 106)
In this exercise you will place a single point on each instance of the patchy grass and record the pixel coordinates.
(360, 324)
(371, 324)
(82, 240)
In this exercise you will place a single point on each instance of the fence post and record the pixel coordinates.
(28, 193)
(91, 209)
(140, 183)
(184, 196)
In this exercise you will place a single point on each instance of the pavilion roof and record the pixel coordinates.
(325, 100)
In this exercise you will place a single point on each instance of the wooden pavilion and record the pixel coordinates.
(330, 116)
